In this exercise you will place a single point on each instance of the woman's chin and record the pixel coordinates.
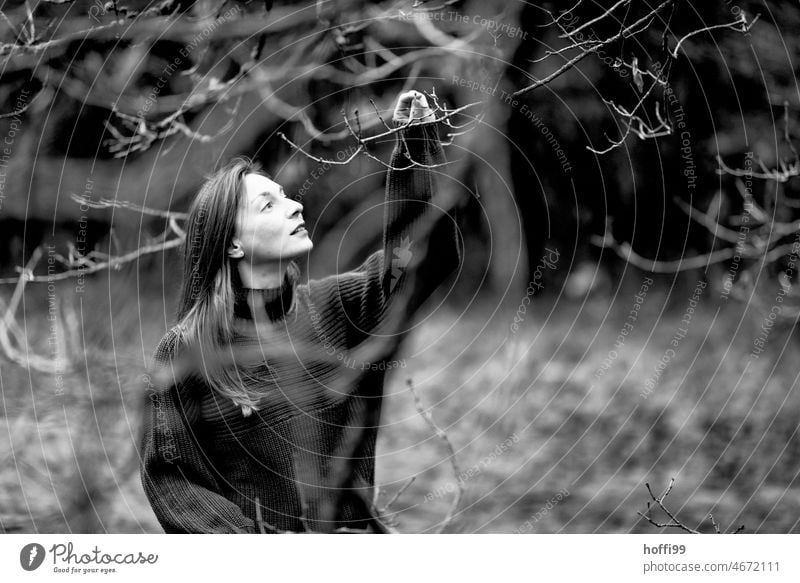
(297, 249)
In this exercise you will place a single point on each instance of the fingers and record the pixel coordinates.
(411, 97)
(420, 100)
(412, 105)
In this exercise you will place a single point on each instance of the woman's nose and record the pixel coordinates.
(297, 209)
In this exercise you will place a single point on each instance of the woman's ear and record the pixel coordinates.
(235, 251)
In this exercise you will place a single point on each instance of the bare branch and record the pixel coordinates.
(782, 174)
(364, 141)
(443, 436)
(145, 133)
(739, 25)
(634, 124)
(624, 33)
(88, 267)
(399, 493)
(123, 204)
(709, 223)
(625, 251)
(79, 265)
(673, 520)
(659, 500)
(594, 20)
(13, 339)
(146, 27)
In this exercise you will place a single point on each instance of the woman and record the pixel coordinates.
(265, 411)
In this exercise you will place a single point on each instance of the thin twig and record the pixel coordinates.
(600, 44)
(674, 522)
(105, 203)
(399, 493)
(594, 20)
(364, 141)
(659, 500)
(453, 461)
(739, 25)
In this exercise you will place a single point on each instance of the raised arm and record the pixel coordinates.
(176, 478)
(407, 267)
(410, 213)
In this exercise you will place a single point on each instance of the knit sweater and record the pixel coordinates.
(305, 459)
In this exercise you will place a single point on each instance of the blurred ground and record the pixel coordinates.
(575, 448)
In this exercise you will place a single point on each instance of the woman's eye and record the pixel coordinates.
(267, 206)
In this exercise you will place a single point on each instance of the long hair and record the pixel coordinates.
(205, 310)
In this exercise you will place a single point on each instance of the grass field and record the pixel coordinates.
(544, 442)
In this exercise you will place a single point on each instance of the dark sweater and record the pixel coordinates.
(307, 455)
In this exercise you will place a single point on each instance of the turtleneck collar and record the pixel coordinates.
(277, 301)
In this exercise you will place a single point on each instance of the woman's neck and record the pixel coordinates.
(275, 301)
(264, 276)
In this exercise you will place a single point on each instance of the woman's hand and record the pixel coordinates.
(412, 105)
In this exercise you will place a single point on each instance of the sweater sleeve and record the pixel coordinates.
(406, 264)
(176, 478)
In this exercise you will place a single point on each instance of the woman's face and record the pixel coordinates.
(269, 226)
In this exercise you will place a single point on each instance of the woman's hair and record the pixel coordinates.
(210, 278)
